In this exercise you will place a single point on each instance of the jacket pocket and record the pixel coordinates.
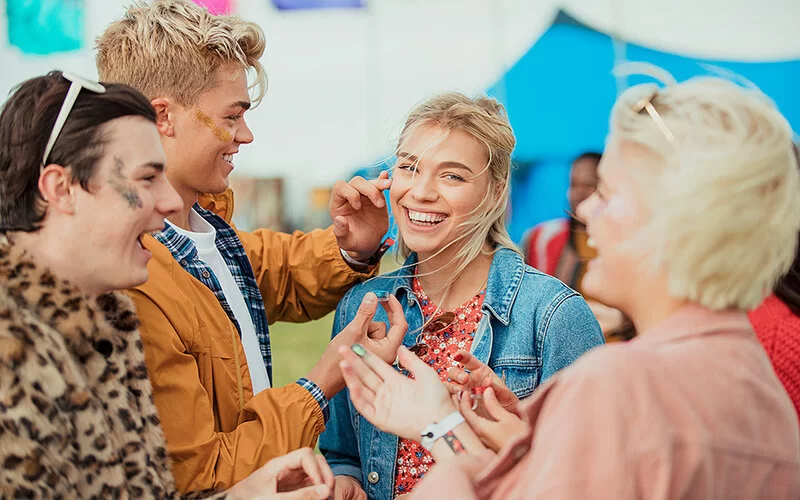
(219, 338)
(520, 374)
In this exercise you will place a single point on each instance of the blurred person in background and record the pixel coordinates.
(695, 218)
(463, 286)
(559, 247)
(81, 182)
(777, 325)
(213, 289)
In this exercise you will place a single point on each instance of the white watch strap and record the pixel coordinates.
(438, 429)
(350, 260)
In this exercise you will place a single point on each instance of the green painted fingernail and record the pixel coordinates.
(359, 350)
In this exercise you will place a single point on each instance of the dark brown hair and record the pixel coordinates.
(589, 155)
(26, 120)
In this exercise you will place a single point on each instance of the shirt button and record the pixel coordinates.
(183, 262)
(410, 302)
(206, 274)
(373, 477)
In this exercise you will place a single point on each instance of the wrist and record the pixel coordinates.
(438, 427)
(370, 259)
(440, 413)
(436, 413)
(356, 263)
(462, 440)
(327, 376)
(359, 257)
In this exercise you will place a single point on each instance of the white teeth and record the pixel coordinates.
(228, 158)
(426, 217)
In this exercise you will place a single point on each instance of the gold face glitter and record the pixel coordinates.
(221, 134)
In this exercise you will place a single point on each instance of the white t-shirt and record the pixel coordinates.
(204, 235)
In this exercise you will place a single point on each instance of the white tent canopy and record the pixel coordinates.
(342, 80)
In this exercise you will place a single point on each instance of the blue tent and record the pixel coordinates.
(559, 96)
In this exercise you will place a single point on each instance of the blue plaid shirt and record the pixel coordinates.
(232, 251)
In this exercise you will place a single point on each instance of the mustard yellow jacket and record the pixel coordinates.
(217, 432)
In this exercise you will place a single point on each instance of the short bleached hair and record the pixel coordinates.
(172, 48)
(724, 195)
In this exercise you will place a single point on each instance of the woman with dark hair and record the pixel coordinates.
(777, 325)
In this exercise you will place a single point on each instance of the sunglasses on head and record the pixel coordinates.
(77, 84)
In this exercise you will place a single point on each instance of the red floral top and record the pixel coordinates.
(413, 461)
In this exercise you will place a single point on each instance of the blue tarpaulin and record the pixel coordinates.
(559, 97)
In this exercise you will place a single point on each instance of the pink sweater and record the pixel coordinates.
(691, 409)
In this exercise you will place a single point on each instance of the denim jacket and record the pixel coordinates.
(532, 326)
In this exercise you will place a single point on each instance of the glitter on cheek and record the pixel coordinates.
(221, 134)
(121, 185)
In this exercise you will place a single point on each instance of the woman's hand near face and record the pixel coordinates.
(493, 433)
(477, 374)
(392, 402)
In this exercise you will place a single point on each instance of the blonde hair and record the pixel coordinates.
(173, 48)
(484, 119)
(724, 195)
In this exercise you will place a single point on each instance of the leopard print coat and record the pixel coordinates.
(77, 417)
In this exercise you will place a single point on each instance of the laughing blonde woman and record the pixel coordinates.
(464, 285)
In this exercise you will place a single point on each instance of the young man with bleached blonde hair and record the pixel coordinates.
(212, 288)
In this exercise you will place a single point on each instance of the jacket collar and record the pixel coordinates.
(505, 279)
(181, 247)
(57, 302)
(221, 204)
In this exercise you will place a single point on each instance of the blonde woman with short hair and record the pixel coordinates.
(463, 287)
(695, 217)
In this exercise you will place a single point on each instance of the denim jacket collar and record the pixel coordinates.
(505, 278)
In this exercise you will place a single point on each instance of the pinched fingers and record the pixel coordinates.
(368, 190)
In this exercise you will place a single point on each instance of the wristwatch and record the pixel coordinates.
(382, 249)
(436, 430)
(373, 259)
